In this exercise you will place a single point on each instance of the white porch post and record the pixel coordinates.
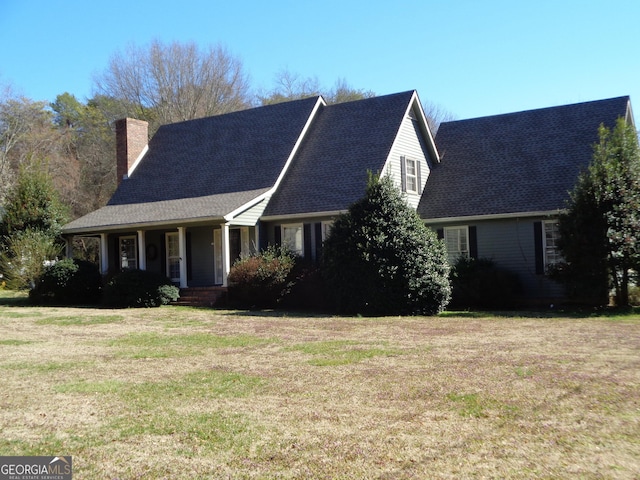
(226, 253)
(182, 247)
(142, 250)
(104, 254)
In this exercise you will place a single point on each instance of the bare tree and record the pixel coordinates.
(436, 114)
(165, 83)
(291, 86)
(27, 134)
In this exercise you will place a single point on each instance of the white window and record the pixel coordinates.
(293, 238)
(457, 242)
(128, 253)
(551, 251)
(173, 256)
(326, 228)
(410, 173)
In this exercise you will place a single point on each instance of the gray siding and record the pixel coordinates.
(250, 216)
(409, 143)
(511, 245)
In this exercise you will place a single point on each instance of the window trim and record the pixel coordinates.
(135, 252)
(550, 250)
(293, 248)
(460, 252)
(411, 177)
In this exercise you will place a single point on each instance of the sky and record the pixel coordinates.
(468, 57)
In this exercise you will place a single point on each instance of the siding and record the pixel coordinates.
(510, 244)
(409, 143)
(250, 217)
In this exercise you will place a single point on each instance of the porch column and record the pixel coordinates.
(182, 247)
(142, 250)
(226, 253)
(104, 254)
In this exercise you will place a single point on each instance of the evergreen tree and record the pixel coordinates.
(380, 258)
(31, 224)
(600, 231)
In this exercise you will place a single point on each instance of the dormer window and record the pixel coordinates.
(410, 170)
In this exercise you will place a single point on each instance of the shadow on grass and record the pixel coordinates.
(11, 298)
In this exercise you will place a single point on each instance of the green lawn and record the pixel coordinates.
(184, 393)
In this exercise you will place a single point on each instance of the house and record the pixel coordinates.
(503, 179)
(201, 193)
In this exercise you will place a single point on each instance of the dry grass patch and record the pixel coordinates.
(192, 393)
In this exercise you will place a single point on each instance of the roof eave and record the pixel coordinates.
(173, 223)
(494, 216)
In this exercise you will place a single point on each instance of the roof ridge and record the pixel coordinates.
(553, 107)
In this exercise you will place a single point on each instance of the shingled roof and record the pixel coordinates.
(205, 168)
(514, 163)
(344, 142)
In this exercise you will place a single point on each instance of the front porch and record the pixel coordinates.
(190, 256)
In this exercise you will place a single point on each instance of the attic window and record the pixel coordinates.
(410, 171)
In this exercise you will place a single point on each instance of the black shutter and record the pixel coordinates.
(440, 233)
(473, 242)
(403, 173)
(419, 174)
(277, 237)
(189, 257)
(306, 241)
(115, 262)
(318, 235)
(163, 254)
(539, 253)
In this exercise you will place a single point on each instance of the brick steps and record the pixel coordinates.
(202, 297)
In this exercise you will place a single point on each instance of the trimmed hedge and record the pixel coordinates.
(140, 288)
(68, 282)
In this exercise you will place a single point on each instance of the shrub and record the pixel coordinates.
(140, 288)
(68, 282)
(381, 259)
(23, 261)
(261, 280)
(479, 283)
(308, 289)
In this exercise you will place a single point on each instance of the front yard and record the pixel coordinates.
(184, 393)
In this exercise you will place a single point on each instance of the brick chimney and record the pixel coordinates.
(132, 137)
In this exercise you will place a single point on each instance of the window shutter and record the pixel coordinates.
(278, 235)
(440, 233)
(318, 235)
(115, 249)
(403, 173)
(473, 242)
(538, 247)
(306, 241)
(419, 175)
(163, 255)
(189, 256)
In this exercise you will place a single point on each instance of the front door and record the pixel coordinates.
(173, 256)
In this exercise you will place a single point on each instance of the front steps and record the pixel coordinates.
(202, 297)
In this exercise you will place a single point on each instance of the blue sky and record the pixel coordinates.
(471, 57)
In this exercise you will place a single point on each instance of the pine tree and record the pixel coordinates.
(600, 231)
